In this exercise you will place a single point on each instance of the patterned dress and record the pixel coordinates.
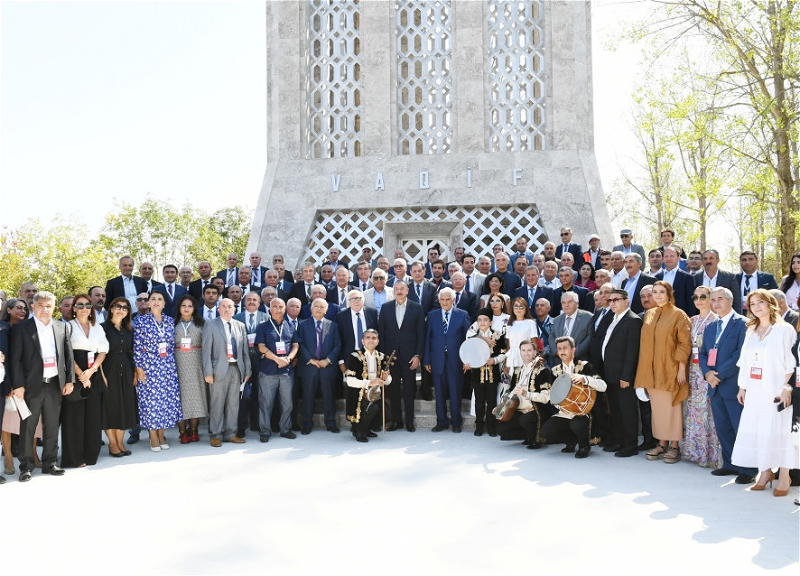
(159, 396)
(700, 442)
(194, 402)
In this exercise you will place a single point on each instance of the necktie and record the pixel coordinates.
(205, 283)
(308, 292)
(530, 296)
(567, 325)
(342, 298)
(458, 297)
(467, 286)
(230, 278)
(419, 293)
(565, 249)
(294, 325)
(446, 321)
(359, 328)
(233, 340)
(363, 286)
(747, 284)
(169, 289)
(255, 276)
(210, 314)
(252, 326)
(319, 340)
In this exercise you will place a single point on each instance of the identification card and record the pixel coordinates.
(251, 340)
(162, 349)
(755, 373)
(712, 357)
(695, 355)
(280, 347)
(186, 344)
(49, 361)
(230, 351)
(90, 359)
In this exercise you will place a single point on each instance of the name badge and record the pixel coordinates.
(49, 361)
(90, 359)
(280, 347)
(712, 357)
(186, 344)
(230, 351)
(695, 355)
(251, 340)
(755, 372)
(162, 349)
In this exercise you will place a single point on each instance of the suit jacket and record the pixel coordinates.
(262, 270)
(476, 283)
(169, 306)
(622, 350)
(344, 322)
(583, 300)
(728, 348)
(299, 291)
(306, 336)
(305, 312)
(429, 298)
(116, 289)
(437, 342)
(636, 300)
(224, 275)
(369, 297)
(682, 288)
(595, 262)
(541, 292)
(429, 271)
(246, 289)
(791, 317)
(724, 280)
(333, 295)
(469, 303)
(762, 280)
(598, 336)
(575, 250)
(581, 332)
(409, 339)
(243, 317)
(356, 283)
(24, 361)
(510, 283)
(215, 349)
(635, 248)
(196, 288)
(285, 284)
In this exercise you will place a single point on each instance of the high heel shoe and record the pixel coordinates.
(778, 492)
(759, 487)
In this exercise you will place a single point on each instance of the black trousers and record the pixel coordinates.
(370, 414)
(485, 401)
(81, 427)
(523, 426)
(624, 415)
(402, 391)
(47, 404)
(568, 431)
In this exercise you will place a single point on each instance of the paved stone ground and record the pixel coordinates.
(438, 504)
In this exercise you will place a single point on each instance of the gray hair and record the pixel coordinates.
(725, 292)
(44, 295)
(779, 295)
(449, 291)
(634, 255)
(569, 296)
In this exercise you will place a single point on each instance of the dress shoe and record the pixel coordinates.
(534, 446)
(457, 429)
(376, 428)
(263, 438)
(133, 439)
(626, 452)
(126, 452)
(758, 487)
(53, 471)
(216, 442)
(288, 435)
(334, 429)
(411, 427)
(745, 479)
(2, 479)
(241, 432)
(305, 431)
(647, 445)
(25, 476)
(492, 434)
(395, 426)
(164, 446)
(184, 437)
(117, 455)
(361, 437)
(236, 440)
(568, 449)
(478, 431)
(723, 472)
(439, 427)
(583, 452)
(612, 448)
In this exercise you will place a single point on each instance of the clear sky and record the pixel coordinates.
(114, 100)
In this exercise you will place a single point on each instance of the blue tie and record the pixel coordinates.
(359, 328)
(467, 286)
(446, 321)
(530, 296)
(419, 293)
(233, 341)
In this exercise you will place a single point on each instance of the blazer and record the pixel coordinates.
(429, 271)
(730, 344)
(243, 317)
(575, 250)
(635, 248)
(724, 280)
(333, 295)
(583, 300)
(476, 283)
(369, 297)
(636, 300)
(469, 303)
(356, 283)
(24, 361)
(306, 336)
(598, 336)
(791, 317)
(622, 350)
(305, 312)
(409, 338)
(262, 270)
(224, 275)
(437, 342)
(298, 291)
(215, 349)
(344, 322)
(510, 283)
(196, 288)
(763, 280)
(682, 288)
(581, 332)
(429, 298)
(116, 289)
(169, 306)
(541, 292)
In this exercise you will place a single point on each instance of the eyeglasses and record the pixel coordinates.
(612, 300)
(519, 307)
(376, 278)
(564, 234)
(20, 307)
(355, 298)
(699, 297)
(82, 306)
(141, 299)
(120, 307)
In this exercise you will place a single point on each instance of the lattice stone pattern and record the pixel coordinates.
(483, 227)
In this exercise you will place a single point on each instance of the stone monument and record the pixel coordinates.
(411, 123)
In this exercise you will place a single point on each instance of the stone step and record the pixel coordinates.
(424, 415)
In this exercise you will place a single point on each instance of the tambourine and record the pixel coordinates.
(475, 352)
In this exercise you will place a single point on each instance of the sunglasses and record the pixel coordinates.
(564, 234)
(699, 297)
(612, 300)
(82, 306)
(141, 299)
(624, 235)
(120, 307)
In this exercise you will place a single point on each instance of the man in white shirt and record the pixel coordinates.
(549, 278)
(618, 273)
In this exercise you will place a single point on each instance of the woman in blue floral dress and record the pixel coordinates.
(154, 356)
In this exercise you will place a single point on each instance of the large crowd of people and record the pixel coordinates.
(586, 348)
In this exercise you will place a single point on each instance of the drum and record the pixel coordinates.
(475, 352)
(575, 398)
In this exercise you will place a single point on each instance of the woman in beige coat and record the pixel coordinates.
(666, 345)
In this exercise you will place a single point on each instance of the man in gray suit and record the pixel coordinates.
(786, 313)
(226, 364)
(627, 246)
(251, 317)
(572, 322)
(475, 279)
(713, 277)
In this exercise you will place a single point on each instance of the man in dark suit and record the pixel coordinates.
(257, 270)
(338, 293)
(573, 322)
(302, 289)
(445, 332)
(351, 323)
(320, 345)
(718, 355)
(750, 278)
(788, 315)
(635, 281)
(196, 287)
(567, 278)
(126, 284)
(567, 245)
(5, 379)
(146, 270)
(620, 353)
(245, 281)
(334, 259)
(319, 291)
(420, 290)
(41, 369)
(439, 275)
(667, 238)
(713, 277)
(465, 300)
(682, 282)
(285, 278)
(601, 320)
(170, 289)
(510, 280)
(531, 291)
(230, 274)
(402, 330)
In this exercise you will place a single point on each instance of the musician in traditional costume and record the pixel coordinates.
(485, 378)
(573, 422)
(367, 370)
(529, 416)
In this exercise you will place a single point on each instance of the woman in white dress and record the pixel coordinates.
(765, 366)
(521, 327)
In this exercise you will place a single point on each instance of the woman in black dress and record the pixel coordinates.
(120, 409)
